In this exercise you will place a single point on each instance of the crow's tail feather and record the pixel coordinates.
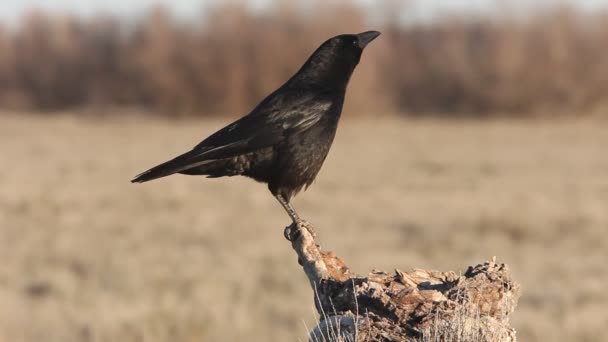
(159, 171)
(185, 161)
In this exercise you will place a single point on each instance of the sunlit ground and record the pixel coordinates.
(87, 256)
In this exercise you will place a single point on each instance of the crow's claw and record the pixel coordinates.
(308, 226)
(292, 232)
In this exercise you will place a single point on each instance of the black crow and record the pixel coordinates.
(284, 140)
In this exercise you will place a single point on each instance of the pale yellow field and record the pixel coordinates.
(87, 256)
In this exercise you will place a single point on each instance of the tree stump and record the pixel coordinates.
(420, 305)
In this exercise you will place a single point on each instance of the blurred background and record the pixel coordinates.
(471, 129)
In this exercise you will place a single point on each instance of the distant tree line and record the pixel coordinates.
(228, 59)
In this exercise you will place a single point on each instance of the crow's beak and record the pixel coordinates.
(366, 37)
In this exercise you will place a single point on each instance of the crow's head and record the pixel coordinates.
(346, 48)
(334, 61)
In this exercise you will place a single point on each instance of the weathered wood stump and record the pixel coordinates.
(419, 305)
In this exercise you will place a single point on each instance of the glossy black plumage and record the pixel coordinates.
(284, 140)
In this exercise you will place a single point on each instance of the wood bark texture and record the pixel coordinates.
(420, 305)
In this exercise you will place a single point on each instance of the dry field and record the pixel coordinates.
(87, 256)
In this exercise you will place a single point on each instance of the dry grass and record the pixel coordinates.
(224, 60)
(86, 256)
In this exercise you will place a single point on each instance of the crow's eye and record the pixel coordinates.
(355, 43)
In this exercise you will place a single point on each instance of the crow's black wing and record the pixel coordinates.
(279, 115)
(268, 124)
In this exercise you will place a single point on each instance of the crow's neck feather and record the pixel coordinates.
(325, 72)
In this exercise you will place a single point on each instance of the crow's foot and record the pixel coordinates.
(292, 232)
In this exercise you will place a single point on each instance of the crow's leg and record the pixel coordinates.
(288, 208)
(297, 221)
